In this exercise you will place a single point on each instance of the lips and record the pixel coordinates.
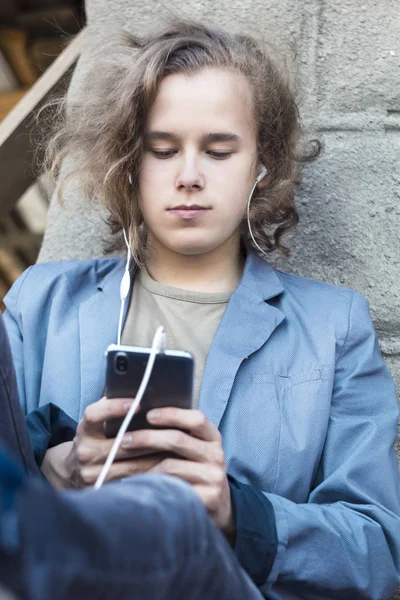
(191, 211)
(189, 207)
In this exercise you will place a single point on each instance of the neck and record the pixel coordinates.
(219, 270)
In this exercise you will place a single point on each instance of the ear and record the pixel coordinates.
(262, 176)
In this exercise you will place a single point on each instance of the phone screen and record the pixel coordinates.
(171, 382)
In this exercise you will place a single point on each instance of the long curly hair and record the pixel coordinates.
(103, 135)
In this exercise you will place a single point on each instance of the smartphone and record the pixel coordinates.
(170, 384)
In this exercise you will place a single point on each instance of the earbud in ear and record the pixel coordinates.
(262, 173)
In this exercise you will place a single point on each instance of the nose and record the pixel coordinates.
(189, 177)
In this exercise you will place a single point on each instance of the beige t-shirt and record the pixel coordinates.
(190, 319)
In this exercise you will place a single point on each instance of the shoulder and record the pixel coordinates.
(324, 302)
(72, 277)
(307, 288)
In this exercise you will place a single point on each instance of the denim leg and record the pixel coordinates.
(147, 538)
(13, 431)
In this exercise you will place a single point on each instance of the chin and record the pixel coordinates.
(193, 243)
(191, 250)
(192, 247)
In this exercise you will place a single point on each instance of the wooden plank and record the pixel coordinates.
(32, 209)
(23, 240)
(8, 82)
(13, 43)
(8, 100)
(3, 292)
(11, 265)
(16, 145)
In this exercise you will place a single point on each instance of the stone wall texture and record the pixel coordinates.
(348, 74)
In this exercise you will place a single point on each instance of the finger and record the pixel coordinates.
(192, 472)
(210, 497)
(179, 442)
(193, 421)
(103, 410)
(91, 451)
(118, 470)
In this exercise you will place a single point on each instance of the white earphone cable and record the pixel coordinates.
(262, 174)
(158, 344)
(124, 288)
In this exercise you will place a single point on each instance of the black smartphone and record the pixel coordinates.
(171, 382)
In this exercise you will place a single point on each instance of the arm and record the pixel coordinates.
(13, 432)
(12, 322)
(48, 425)
(345, 542)
(255, 538)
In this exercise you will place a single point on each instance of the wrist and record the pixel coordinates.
(55, 466)
(229, 528)
(230, 535)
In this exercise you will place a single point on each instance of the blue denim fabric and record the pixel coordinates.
(256, 537)
(145, 538)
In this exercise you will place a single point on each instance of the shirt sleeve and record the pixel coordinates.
(13, 325)
(256, 536)
(49, 426)
(345, 541)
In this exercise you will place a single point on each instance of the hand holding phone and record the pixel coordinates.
(170, 384)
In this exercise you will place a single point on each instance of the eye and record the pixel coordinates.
(163, 153)
(219, 155)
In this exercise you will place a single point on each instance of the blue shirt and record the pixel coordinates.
(296, 384)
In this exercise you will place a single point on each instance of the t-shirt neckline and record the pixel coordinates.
(169, 291)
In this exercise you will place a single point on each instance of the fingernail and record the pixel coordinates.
(127, 440)
(154, 415)
(127, 406)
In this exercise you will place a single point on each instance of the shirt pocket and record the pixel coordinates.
(299, 377)
(251, 429)
(274, 429)
(304, 402)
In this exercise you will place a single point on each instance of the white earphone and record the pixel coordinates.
(261, 175)
(124, 287)
(126, 279)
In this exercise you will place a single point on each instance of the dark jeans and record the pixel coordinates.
(146, 537)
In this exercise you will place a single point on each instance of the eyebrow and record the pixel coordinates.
(207, 138)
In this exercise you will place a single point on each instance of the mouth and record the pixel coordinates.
(185, 211)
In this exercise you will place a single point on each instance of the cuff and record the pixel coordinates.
(49, 426)
(256, 535)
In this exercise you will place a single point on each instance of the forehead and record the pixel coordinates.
(211, 100)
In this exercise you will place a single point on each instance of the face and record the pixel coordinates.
(200, 161)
